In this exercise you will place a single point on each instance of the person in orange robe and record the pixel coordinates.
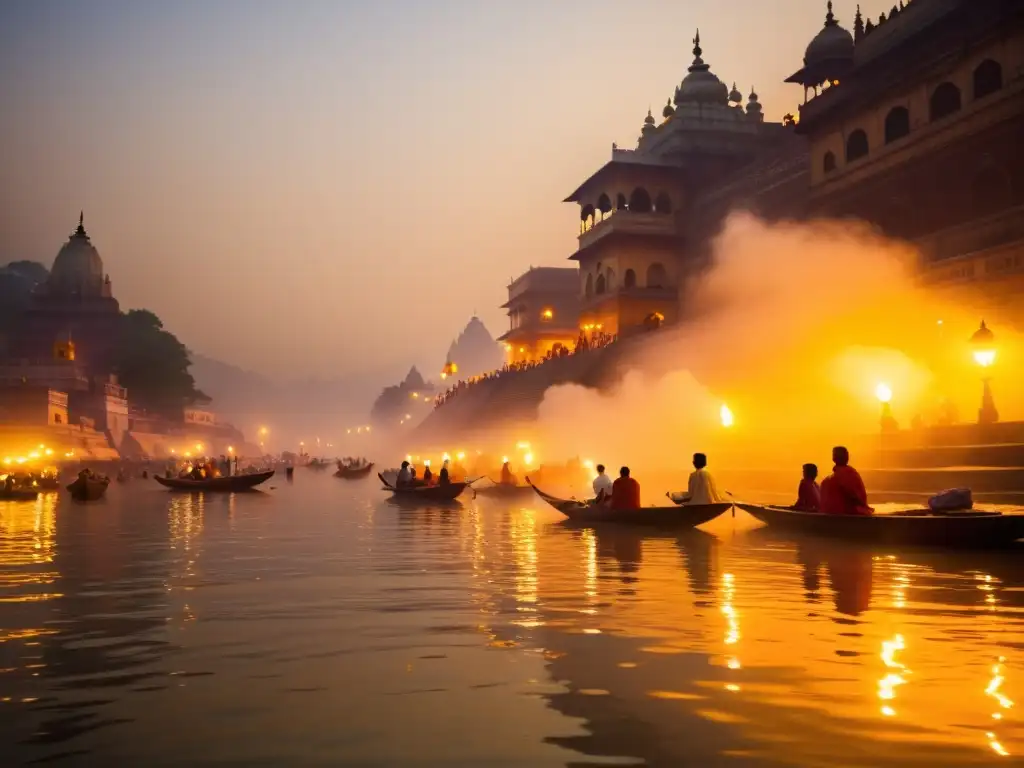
(842, 492)
(625, 491)
(808, 495)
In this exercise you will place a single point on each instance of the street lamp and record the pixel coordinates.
(983, 341)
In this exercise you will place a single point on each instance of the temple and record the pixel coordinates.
(543, 314)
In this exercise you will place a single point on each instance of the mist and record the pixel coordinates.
(797, 325)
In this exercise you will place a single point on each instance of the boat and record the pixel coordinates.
(350, 473)
(226, 484)
(448, 492)
(88, 488)
(586, 512)
(921, 526)
(317, 464)
(18, 494)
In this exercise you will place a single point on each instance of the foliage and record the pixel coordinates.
(153, 365)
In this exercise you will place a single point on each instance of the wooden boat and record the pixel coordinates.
(88, 488)
(969, 528)
(686, 516)
(18, 494)
(228, 484)
(448, 492)
(353, 474)
(317, 464)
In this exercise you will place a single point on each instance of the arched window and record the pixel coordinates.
(588, 291)
(944, 102)
(640, 201)
(604, 204)
(587, 216)
(897, 124)
(599, 286)
(856, 145)
(620, 202)
(609, 279)
(663, 204)
(988, 78)
(657, 277)
(629, 279)
(828, 163)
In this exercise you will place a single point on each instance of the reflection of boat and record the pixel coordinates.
(221, 484)
(353, 473)
(914, 526)
(426, 492)
(18, 494)
(687, 516)
(505, 491)
(88, 488)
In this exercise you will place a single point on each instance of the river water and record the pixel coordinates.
(316, 624)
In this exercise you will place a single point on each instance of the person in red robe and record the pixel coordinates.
(808, 497)
(625, 491)
(842, 492)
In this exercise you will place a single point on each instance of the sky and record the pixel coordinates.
(317, 187)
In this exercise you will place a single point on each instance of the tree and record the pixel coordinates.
(153, 365)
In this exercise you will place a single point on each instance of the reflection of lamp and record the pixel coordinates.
(983, 342)
(884, 394)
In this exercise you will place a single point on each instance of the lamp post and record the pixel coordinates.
(983, 342)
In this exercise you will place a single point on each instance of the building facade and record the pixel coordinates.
(543, 314)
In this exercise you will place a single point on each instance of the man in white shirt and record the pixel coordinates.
(702, 488)
(405, 476)
(602, 485)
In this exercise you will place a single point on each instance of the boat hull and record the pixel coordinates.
(88, 490)
(974, 529)
(18, 494)
(448, 492)
(229, 484)
(353, 474)
(676, 516)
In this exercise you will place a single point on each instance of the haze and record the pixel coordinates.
(311, 188)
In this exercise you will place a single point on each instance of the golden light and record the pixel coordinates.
(528, 459)
(446, 457)
(522, 349)
(547, 314)
(359, 430)
(174, 450)
(460, 455)
(69, 455)
(415, 395)
(508, 347)
(426, 463)
(408, 457)
(588, 463)
(408, 416)
(34, 455)
(188, 454)
(523, 445)
(41, 447)
(348, 431)
(263, 431)
(367, 428)
(48, 452)
(726, 415)
(883, 392)
(199, 446)
(504, 459)
(7, 460)
(20, 460)
(231, 449)
(984, 357)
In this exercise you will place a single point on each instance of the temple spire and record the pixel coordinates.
(858, 25)
(830, 19)
(80, 232)
(696, 43)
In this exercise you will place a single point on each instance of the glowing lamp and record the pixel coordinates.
(408, 457)
(528, 459)
(20, 460)
(504, 459)
(426, 463)
(726, 416)
(522, 445)
(231, 449)
(460, 455)
(588, 464)
(48, 452)
(547, 314)
(7, 460)
(983, 342)
(188, 454)
(450, 369)
(446, 457)
(883, 392)
(34, 455)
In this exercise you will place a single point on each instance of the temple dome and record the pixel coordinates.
(78, 268)
(700, 85)
(832, 43)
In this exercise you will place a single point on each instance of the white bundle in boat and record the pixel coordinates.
(951, 500)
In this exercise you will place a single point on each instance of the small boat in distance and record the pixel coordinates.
(676, 516)
(88, 488)
(353, 473)
(227, 484)
(922, 527)
(318, 464)
(18, 494)
(448, 492)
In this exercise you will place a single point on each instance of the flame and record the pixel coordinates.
(445, 457)
(985, 357)
(528, 459)
(726, 416)
(460, 455)
(504, 459)
(883, 392)
(231, 449)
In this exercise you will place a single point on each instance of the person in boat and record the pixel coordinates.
(507, 478)
(9, 483)
(808, 496)
(625, 492)
(701, 488)
(843, 492)
(602, 486)
(405, 476)
(428, 476)
(442, 476)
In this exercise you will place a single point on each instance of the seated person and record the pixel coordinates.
(808, 495)
(842, 492)
(442, 476)
(625, 492)
(405, 476)
(602, 486)
(701, 488)
(507, 478)
(427, 475)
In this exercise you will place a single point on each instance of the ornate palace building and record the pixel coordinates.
(543, 313)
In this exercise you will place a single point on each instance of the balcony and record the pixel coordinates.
(630, 223)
